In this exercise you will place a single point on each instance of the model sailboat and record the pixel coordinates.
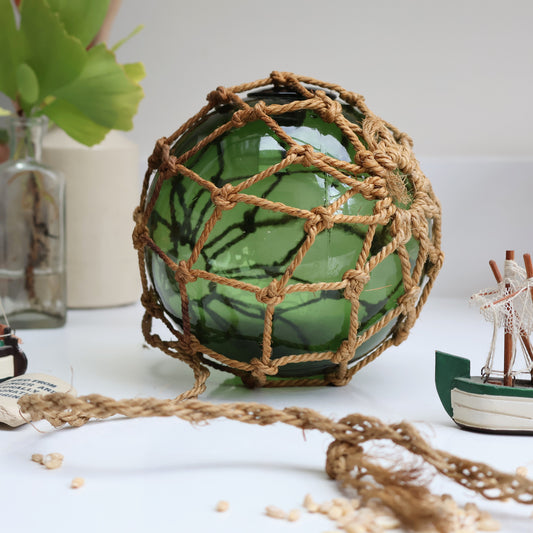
(500, 399)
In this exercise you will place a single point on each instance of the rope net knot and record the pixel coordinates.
(225, 197)
(273, 294)
(243, 168)
(303, 153)
(355, 283)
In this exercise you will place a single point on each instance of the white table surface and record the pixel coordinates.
(162, 474)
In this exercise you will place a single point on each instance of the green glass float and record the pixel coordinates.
(280, 232)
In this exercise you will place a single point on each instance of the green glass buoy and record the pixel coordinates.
(254, 245)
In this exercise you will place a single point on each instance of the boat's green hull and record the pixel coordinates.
(478, 405)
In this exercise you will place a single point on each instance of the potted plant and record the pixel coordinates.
(55, 66)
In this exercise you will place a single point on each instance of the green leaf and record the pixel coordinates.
(9, 50)
(27, 83)
(81, 18)
(56, 57)
(127, 38)
(103, 91)
(134, 71)
(4, 112)
(75, 123)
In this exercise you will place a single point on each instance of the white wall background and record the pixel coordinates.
(456, 75)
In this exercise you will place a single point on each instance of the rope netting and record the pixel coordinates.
(404, 203)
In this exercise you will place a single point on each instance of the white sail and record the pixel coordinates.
(509, 306)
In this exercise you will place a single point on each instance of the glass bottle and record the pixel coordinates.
(32, 231)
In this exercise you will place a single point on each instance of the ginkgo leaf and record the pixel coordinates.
(56, 57)
(27, 84)
(45, 68)
(81, 18)
(75, 123)
(103, 91)
(120, 43)
(134, 71)
(9, 50)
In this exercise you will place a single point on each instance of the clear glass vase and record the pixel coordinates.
(32, 231)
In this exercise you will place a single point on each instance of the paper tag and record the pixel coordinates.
(13, 389)
(7, 366)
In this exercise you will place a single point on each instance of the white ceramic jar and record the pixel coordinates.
(102, 190)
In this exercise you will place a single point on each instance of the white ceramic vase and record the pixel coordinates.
(102, 190)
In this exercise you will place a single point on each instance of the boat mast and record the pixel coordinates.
(508, 344)
(508, 335)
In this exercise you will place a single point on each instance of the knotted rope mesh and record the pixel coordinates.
(404, 203)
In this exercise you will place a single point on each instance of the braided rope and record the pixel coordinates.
(385, 156)
(401, 489)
